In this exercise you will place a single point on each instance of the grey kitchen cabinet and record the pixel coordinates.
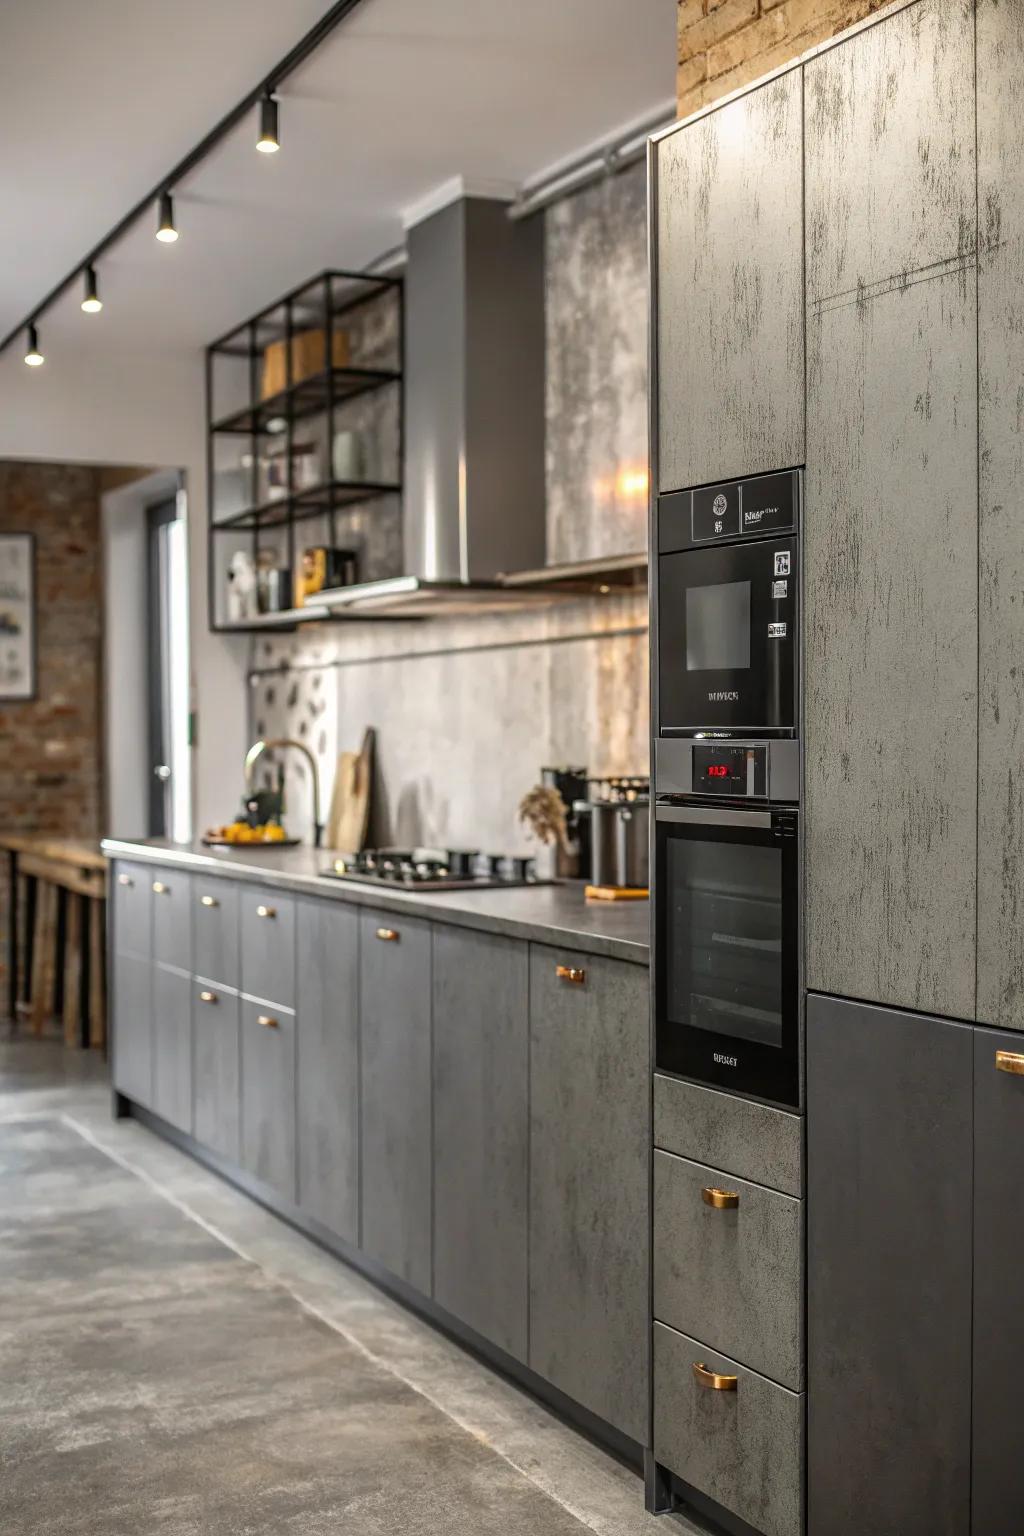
(891, 521)
(267, 935)
(589, 1147)
(729, 243)
(132, 909)
(481, 1132)
(133, 1027)
(395, 1132)
(1001, 533)
(997, 1494)
(740, 1136)
(327, 983)
(172, 1046)
(172, 917)
(216, 1085)
(268, 1095)
(889, 1271)
(215, 951)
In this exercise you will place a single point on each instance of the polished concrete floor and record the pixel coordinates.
(179, 1360)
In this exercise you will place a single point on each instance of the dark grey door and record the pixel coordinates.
(589, 1148)
(133, 1028)
(172, 1046)
(327, 979)
(481, 1132)
(998, 1491)
(268, 1095)
(889, 1155)
(394, 1009)
(216, 1089)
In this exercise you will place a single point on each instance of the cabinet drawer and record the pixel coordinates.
(268, 945)
(133, 1028)
(133, 896)
(746, 1139)
(215, 931)
(743, 1448)
(216, 1084)
(730, 1273)
(172, 918)
(172, 1046)
(268, 1096)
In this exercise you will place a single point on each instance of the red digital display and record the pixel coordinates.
(718, 770)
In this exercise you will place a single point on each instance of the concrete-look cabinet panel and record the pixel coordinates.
(268, 1095)
(172, 1046)
(215, 931)
(589, 1149)
(132, 898)
(327, 983)
(747, 1139)
(889, 1193)
(997, 1492)
(216, 1089)
(890, 525)
(172, 917)
(481, 1132)
(395, 1134)
(1001, 535)
(132, 996)
(742, 1447)
(730, 343)
(267, 929)
(730, 1274)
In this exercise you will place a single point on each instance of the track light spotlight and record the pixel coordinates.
(268, 142)
(33, 356)
(165, 228)
(91, 302)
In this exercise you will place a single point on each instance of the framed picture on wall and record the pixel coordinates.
(17, 617)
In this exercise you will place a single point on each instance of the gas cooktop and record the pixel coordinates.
(434, 869)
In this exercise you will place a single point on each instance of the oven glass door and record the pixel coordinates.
(727, 962)
(727, 626)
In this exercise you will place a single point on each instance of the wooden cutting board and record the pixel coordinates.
(349, 816)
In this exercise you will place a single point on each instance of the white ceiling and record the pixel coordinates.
(98, 98)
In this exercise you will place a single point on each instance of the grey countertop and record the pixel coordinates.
(547, 914)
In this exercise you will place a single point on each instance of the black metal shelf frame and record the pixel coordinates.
(318, 304)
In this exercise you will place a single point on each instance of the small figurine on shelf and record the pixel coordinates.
(242, 587)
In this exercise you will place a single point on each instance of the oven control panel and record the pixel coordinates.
(730, 770)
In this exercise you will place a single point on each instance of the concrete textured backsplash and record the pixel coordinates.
(468, 710)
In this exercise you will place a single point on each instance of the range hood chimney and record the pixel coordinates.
(474, 401)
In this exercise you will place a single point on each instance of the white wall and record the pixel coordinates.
(142, 408)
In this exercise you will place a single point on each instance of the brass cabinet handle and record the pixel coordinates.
(712, 1379)
(209, 901)
(720, 1199)
(267, 1021)
(125, 880)
(266, 911)
(571, 973)
(389, 935)
(207, 997)
(160, 888)
(1010, 1061)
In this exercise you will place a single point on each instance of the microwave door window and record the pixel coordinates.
(724, 961)
(718, 627)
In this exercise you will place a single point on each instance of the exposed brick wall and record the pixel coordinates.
(51, 747)
(724, 44)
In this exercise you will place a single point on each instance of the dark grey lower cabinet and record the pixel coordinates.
(172, 1046)
(997, 1488)
(268, 1095)
(215, 1068)
(395, 1137)
(889, 1194)
(589, 1150)
(133, 1028)
(481, 1132)
(327, 983)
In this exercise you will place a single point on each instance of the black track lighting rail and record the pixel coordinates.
(306, 45)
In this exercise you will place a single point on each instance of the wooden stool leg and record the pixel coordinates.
(73, 972)
(42, 955)
(63, 896)
(28, 961)
(97, 1036)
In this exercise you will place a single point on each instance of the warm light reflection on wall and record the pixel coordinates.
(628, 485)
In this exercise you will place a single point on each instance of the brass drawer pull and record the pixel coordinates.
(712, 1379)
(207, 997)
(572, 973)
(267, 1021)
(389, 935)
(125, 880)
(720, 1199)
(160, 888)
(266, 911)
(209, 901)
(1010, 1061)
